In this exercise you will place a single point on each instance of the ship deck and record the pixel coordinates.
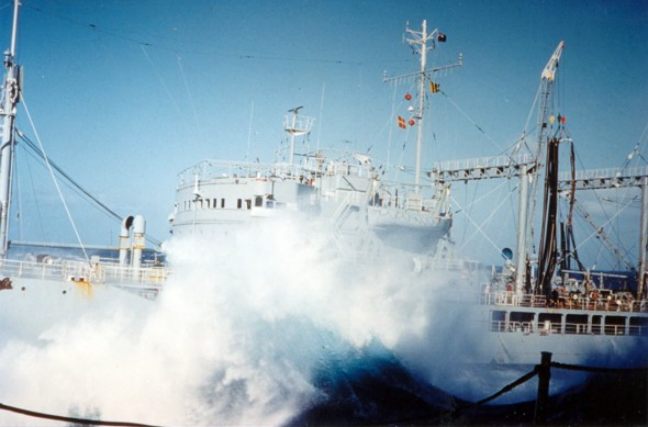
(596, 313)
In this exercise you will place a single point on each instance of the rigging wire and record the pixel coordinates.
(479, 229)
(14, 172)
(40, 155)
(467, 117)
(391, 128)
(186, 86)
(604, 211)
(321, 116)
(66, 182)
(36, 199)
(605, 224)
(488, 193)
(72, 184)
(522, 140)
(53, 176)
(141, 41)
(167, 91)
(487, 219)
(249, 135)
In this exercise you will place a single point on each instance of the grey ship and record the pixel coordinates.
(350, 193)
(213, 196)
(508, 320)
(516, 323)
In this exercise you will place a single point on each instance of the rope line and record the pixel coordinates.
(165, 43)
(570, 367)
(58, 169)
(474, 123)
(487, 220)
(56, 184)
(84, 421)
(477, 226)
(524, 378)
(76, 186)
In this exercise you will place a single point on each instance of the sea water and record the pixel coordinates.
(273, 324)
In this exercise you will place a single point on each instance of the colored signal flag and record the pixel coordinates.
(562, 119)
(401, 122)
(435, 87)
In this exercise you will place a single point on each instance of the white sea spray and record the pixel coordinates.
(237, 335)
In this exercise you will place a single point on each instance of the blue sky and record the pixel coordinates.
(125, 94)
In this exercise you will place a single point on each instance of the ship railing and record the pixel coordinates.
(481, 163)
(97, 273)
(513, 299)
(38, 270)
(612, 304)
(453, 264)
(608, 173)
(143, 276)
(553, 328)
(211, 169)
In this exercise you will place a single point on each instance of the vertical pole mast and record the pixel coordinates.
(419, 41)
(10, 100)
(520, 265)
(547, 78)
(642, 285)
(419, 133)
(291, 155)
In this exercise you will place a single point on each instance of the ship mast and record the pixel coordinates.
(422, 41)
(10, 98)
(296, 125)
(547, 78)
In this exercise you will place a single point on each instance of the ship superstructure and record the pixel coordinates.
(349, 191)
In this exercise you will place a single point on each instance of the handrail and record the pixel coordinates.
(98, 273)
(582, 302)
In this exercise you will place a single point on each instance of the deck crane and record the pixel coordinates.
(547, 79)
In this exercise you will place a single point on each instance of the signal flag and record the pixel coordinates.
(401, 122)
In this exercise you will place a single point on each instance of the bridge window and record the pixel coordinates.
(258, 201)
(214, 203)
(222, 203)
(248, 203)
(239, 204)
(208, 203)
